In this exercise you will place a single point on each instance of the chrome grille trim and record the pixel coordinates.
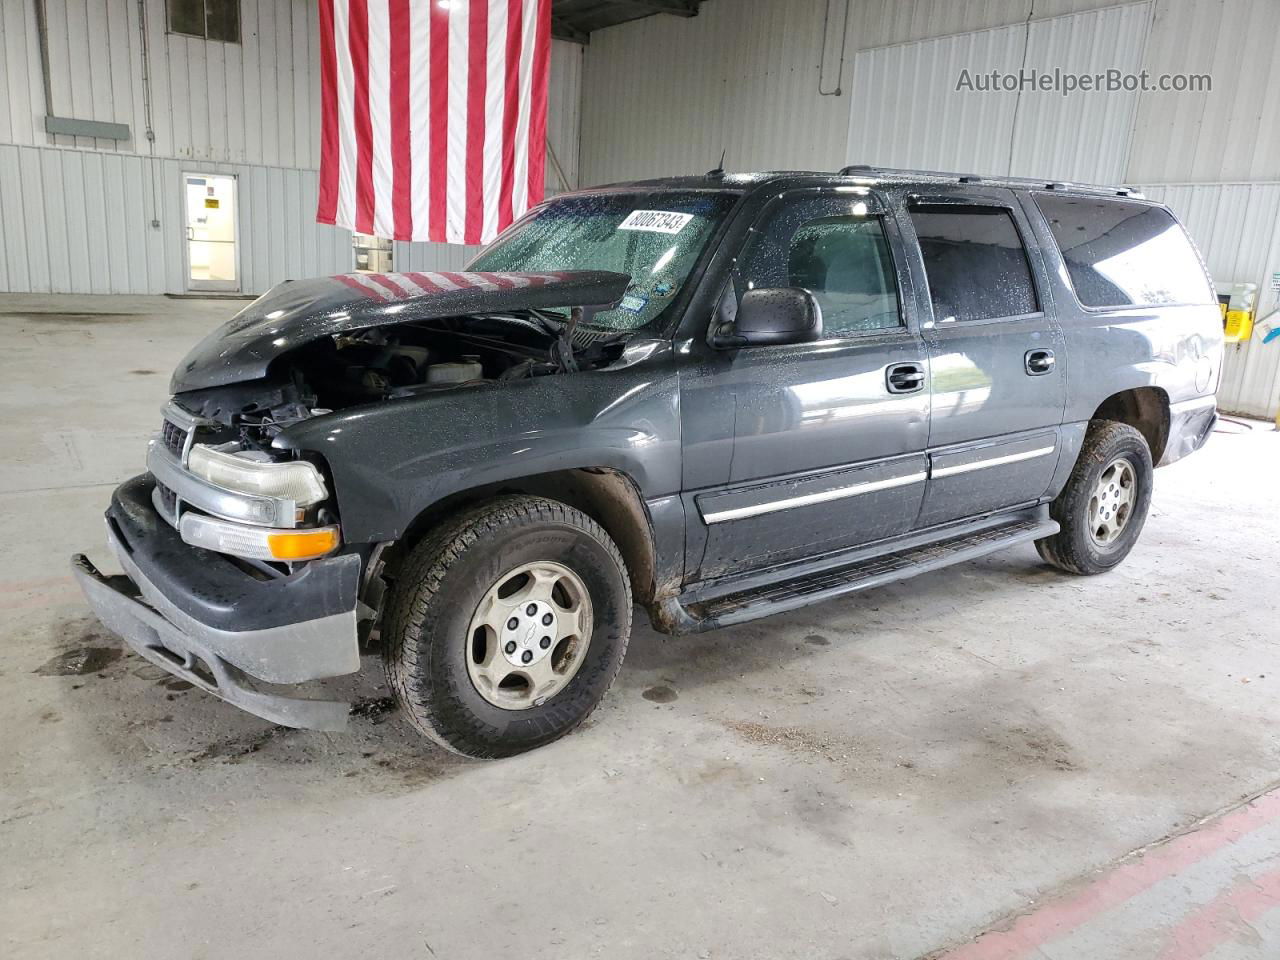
(177, 436)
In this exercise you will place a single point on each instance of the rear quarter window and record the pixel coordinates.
(1120, 254)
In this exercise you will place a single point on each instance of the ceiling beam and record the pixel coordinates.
(574, 20)
(562, 29)
(677, 8)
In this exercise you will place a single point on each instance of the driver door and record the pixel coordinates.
(828, 438)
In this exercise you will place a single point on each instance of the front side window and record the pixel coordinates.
(654, 238)
(1119, 253)
(207, 19)
(839, 255)
(975, 263)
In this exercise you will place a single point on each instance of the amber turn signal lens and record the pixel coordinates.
(302, 544)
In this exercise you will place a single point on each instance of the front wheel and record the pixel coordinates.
(506, 626)
(1102, 508)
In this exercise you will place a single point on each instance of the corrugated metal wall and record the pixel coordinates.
(909, 112)
(1231, 134)
(75, 213)
(1237, 227)
(664, 95)
(254, 102)
(85, 223)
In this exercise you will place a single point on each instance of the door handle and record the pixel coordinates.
(1039, 362)
(904, 377)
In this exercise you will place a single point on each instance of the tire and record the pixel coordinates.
(436, 654)
(1094, 539)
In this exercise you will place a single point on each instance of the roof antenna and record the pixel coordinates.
(718, 172)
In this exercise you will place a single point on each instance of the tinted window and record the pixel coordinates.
(976, 265)
(1120, 253)
(841, 257)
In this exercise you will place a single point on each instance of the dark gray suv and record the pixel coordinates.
(717, 397)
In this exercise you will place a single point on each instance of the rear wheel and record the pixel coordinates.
(507, 626)
(1104, 505)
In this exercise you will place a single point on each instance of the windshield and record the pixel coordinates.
(654, 238)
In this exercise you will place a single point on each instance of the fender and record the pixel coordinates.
(390, 462)
(1176, 349)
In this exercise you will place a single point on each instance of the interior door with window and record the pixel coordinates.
(997, 388)
(211, 258)
(829, 437)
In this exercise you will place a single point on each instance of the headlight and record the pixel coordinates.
(259, 543)
(296, 480)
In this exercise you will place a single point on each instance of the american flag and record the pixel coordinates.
(433, 115)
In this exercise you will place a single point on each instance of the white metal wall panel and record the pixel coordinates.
(1084, 137)
(1231, 133)
(907, 112)
(665, 95)
(1237, 227)
(427, 257)
(86, 223)
(250, 102)
(878, 23)
(662, 94)
(21, 99)
(564, 108)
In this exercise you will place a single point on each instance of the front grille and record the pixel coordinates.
(174, 438)
(168, 498)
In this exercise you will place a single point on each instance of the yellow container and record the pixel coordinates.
(1238, 326)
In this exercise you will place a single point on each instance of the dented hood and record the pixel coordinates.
(298, 311)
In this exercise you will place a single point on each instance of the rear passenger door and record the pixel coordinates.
(996, 379)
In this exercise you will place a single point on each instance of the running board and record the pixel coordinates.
(799, 592)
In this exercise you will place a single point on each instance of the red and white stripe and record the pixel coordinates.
(404, 286)
(433, 115)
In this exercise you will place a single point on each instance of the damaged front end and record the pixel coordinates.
(237, 577)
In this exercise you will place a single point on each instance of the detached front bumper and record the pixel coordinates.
(206, 620)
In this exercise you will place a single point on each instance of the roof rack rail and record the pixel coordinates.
(866, 169)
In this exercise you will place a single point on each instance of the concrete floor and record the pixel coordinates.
(886, 776)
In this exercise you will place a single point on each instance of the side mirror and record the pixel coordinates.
(774, 316)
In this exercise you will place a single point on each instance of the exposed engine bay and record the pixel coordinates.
(400, 361)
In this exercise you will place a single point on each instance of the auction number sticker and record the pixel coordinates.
(655, 221)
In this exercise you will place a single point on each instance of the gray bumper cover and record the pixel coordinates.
(232, 660)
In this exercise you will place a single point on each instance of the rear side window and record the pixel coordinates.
(975, 263)
(1120, 253)
(841, 257)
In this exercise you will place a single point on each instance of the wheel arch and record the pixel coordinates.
(1146, 409)
(607, 495)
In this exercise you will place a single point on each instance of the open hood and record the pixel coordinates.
(297, 312)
